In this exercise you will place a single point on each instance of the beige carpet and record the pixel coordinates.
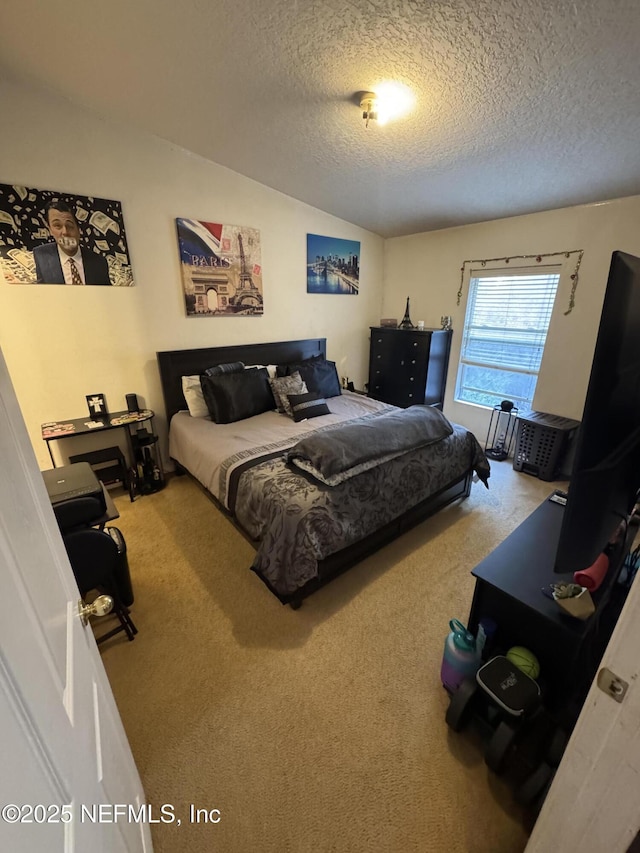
(314, 730)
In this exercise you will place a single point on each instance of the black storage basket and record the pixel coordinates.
(541, 443)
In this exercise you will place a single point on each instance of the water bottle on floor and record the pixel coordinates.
(461, 657)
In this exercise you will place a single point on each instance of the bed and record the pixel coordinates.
(308, 523)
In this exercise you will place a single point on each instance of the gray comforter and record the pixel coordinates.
(342, 451)
(297, 521)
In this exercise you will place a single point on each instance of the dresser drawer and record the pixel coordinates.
(382, 348)
(409, 391)
(412, 346)
(381, 355)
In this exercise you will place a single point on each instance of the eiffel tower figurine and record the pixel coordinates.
(406, 320)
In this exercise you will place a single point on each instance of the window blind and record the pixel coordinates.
(504, 335)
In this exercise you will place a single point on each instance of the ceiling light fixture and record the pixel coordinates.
(369, 107)
(389, 101)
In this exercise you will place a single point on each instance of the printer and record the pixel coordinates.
(76, 494)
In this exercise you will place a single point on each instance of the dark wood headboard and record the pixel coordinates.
(174, 364)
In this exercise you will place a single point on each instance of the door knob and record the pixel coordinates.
(100, 606)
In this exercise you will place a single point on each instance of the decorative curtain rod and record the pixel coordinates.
(538, 259)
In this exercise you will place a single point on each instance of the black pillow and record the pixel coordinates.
(309, 405)
(288, 369)
(233, 397)
(318, 374)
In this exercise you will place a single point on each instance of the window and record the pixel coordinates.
(505, 330)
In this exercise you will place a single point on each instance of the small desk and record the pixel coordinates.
(508, 589)
(57, 430)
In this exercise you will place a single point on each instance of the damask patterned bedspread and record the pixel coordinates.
(297, 521)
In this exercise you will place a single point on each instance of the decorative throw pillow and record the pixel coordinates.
(228, 367)
(308, 405)
(325, 379)
(194, 398)
(288, 369)
(233, 397)
(319, 375)
(282, 386)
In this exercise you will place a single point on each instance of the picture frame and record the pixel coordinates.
(221, 268)
(50, 237)
(333, 265)
(97, 405)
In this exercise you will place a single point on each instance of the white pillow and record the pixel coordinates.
(192, 391)
(271, 369)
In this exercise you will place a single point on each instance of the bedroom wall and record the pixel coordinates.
(61, 343)
(426, 267)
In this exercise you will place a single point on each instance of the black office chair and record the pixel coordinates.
(99, 562)
(98, 558)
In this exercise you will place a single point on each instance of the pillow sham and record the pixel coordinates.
(319, 374)
(309, 405)
(194, 397)
(282, 386)
(228, 367)
(326, 379)
(291, 367)
(233, 397)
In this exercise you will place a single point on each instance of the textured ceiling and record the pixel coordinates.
(522, 105)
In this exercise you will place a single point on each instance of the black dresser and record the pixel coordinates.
(409, 366)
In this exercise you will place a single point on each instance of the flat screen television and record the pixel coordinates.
(605, 476)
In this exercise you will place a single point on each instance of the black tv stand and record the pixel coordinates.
(508, 589)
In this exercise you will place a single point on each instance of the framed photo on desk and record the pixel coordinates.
(97, 405)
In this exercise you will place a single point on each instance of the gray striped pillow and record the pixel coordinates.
(309, 405)
(228, 367)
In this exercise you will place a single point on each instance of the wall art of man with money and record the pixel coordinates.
(49, 237)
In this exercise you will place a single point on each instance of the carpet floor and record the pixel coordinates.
(316, 730)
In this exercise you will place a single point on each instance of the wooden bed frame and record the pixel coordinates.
(174, 364)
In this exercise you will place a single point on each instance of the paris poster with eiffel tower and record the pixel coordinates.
(221, 269)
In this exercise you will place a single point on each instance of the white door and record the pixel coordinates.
(594, 802)
(64, 750)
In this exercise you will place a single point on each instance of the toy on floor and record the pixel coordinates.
(524, 660)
